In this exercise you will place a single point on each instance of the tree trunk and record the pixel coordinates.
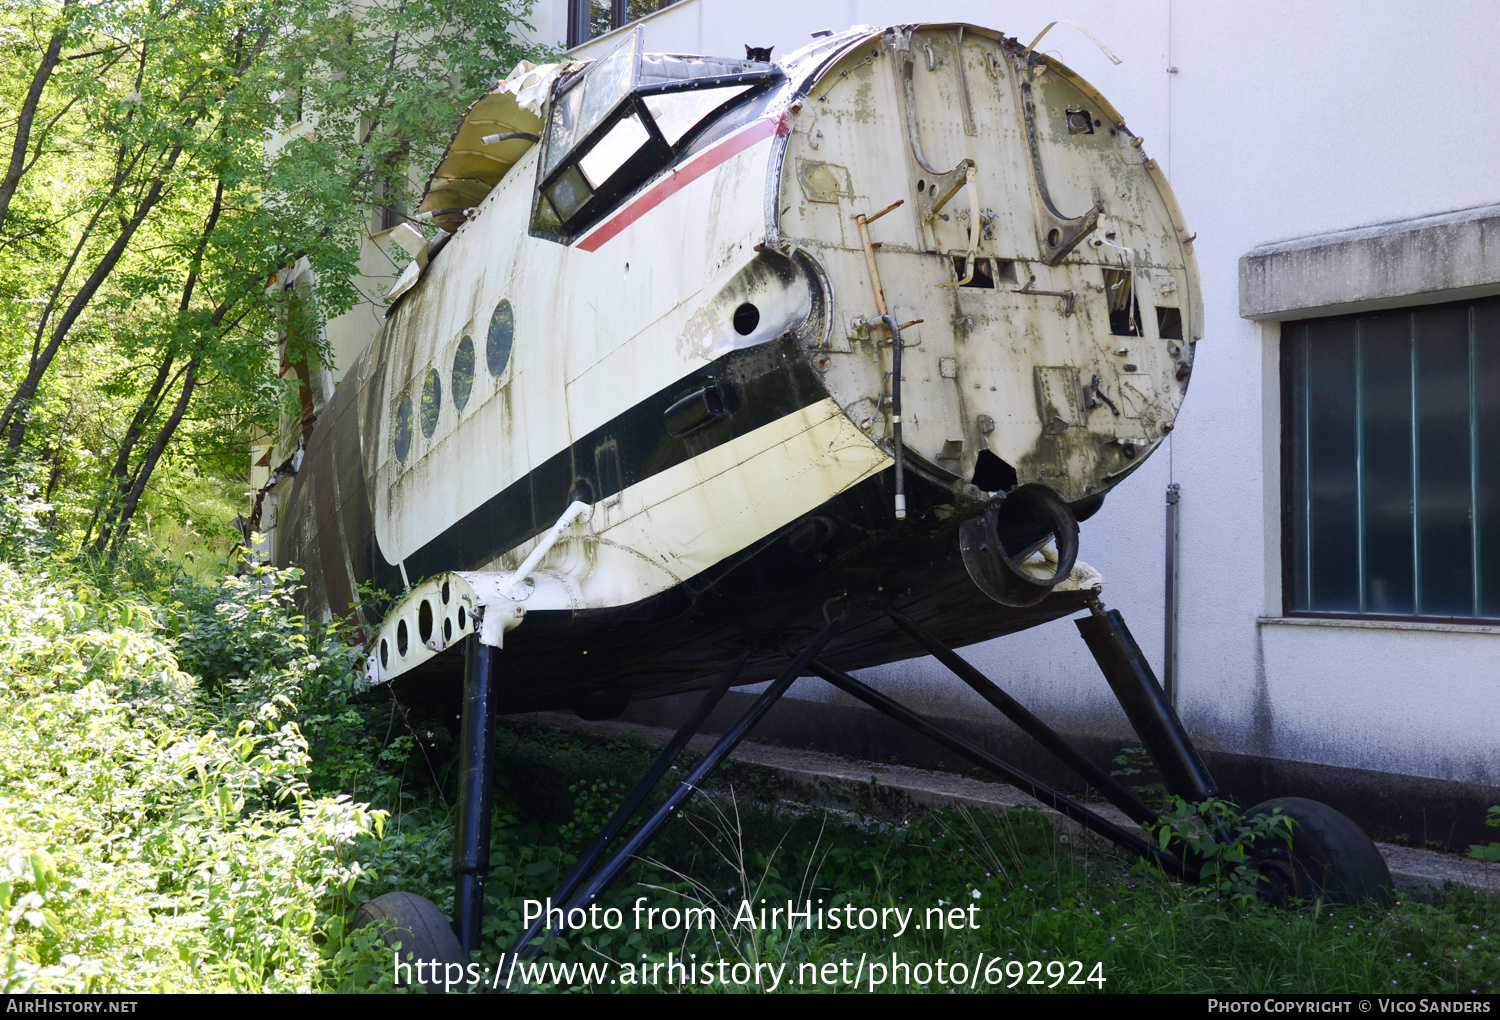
(119, 475)
(153, 455)
(50, 59)
(15, 415)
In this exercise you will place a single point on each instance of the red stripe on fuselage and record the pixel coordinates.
(679, 179)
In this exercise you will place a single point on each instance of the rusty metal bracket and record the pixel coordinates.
(943, 188)
(1070, 297)
(904, 325)
(864, 240)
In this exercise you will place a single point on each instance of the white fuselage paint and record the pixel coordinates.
(597, 330)
(594, 331)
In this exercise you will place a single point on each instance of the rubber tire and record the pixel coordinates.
(421, 928)
(1331, 856)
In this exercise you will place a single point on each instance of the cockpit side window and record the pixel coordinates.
(677, 113)
(613, 128)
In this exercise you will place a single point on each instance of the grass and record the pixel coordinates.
(188, 801)
(1041, 894)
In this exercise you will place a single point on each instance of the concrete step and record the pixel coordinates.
(831, 781)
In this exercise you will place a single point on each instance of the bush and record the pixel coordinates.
(158, 831)
(1491, 852)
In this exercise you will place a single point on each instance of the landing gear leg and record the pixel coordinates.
(1330, 856)
(1145, 704)
(632, 802)
(585, 893)
(471, 861)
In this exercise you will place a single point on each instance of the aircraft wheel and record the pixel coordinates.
(1330, 857)
(421, 928)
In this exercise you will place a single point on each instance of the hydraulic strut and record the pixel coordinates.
(602, 879)
(471, 862)
(1145, 704)
(631, 803)
(1090, 820)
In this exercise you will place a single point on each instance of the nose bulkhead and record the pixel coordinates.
(999, 208)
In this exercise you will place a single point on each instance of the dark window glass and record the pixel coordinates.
(502, 334)
(1385, 380)
(463, 373)
(1392, 431)
(1332, 479)
(589, 19)
(432, 402)
(1487, 455)
(1445, 555)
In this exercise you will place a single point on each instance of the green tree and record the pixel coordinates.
(154, 196)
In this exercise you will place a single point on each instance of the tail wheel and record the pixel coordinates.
(1330, 857)
(421, 929)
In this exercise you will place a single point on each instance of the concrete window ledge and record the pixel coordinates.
(1453, 256)
(1321, 621)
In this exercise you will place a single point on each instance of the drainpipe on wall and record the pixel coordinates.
(1169, 646)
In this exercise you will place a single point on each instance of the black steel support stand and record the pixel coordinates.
(1109, 787)
(476, 755)
(1145, 704)
(643, 834)
(1048, 796)
(627, 808)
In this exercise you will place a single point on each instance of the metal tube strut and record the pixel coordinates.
(633, 801)
(611, 869)
(1054, 742)
(1136, 844)
(471, 859)
(1145, 704)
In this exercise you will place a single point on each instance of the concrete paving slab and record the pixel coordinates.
(827, 780)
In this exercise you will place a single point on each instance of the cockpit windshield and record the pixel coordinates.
(622, 121)
(582, 107)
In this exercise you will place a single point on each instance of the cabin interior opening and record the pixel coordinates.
(992, 474)
(1124, 306)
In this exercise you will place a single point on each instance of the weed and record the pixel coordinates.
(1492, 851)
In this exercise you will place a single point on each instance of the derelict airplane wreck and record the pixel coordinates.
(722, 371)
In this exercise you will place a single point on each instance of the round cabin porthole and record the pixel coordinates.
(424, 622)
(746, 318)
(502, 334)
(403, 641)
(403, 428)
(463, 372)
(432, 402)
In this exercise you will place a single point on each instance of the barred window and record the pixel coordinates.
(1391, 463)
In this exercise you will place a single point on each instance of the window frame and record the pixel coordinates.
(1289, 345)
(619, 16)
(654, 157)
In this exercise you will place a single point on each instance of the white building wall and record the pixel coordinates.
(1281, 120)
